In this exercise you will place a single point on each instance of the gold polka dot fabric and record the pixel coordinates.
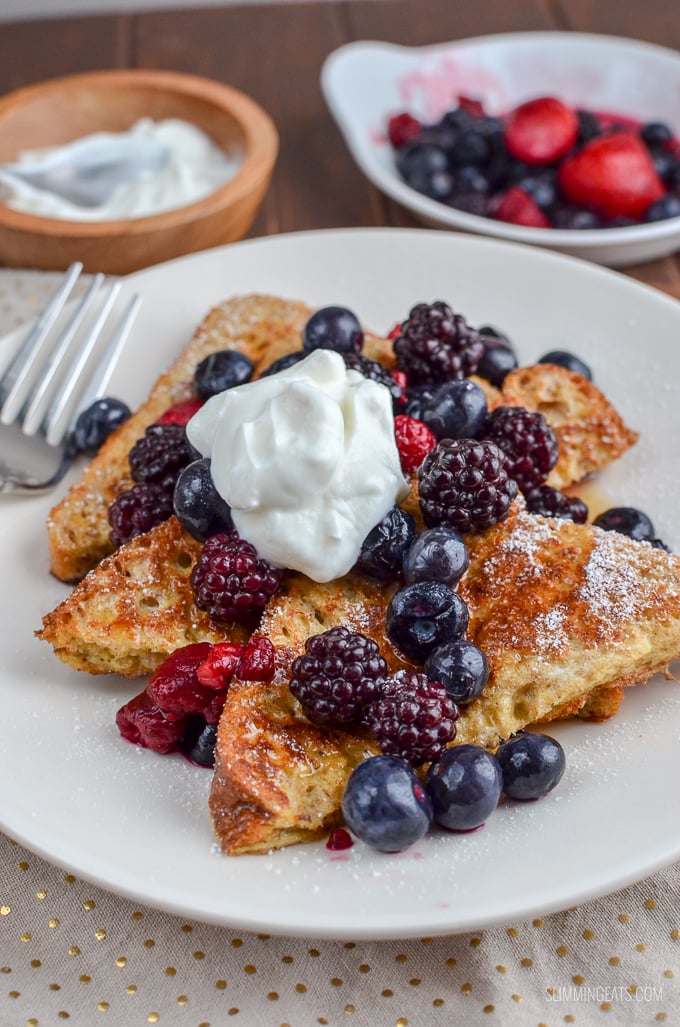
(71, 953)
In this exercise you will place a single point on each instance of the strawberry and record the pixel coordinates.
(612, 175)
(401, 128)
(471, 106)
(516, 206)
(180, 413)
(541, 131)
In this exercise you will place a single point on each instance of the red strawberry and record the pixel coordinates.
(612, 175)
(541, 131)
(471, 106)
(180, 413)
(516, 206)
(401, 128)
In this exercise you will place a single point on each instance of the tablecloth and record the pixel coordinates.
(72, 953)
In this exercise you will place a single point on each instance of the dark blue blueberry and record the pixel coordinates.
(588, 126)
(457, 118)
(289, 360)
(627, 520)
(497, 361)
(471, 148)
(334, 328)
(563, 358)
(424, 615)
(418, 398)
(435, 184)
(497, 337)
(437, 554)
(198, 506)
(421, 156)
(385, 804)
(95, 424)
(198, 743)
(578, 220)
(658, 543)
(222, 370)
(461, 667)
(470, 179)
(470, 202)
(465, 785)
(382, 551)
(541, 188)
(456, 410)
(656, 133)
(667, 207)
(665, 164)
(531, 765)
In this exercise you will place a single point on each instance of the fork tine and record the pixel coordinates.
(55, 420)
(19, 370)
(35, 410)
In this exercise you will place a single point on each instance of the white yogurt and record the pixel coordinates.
(307, 461)
(195, 167)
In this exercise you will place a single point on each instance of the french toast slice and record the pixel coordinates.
(135, 608)
(590, 431)
(566, 614)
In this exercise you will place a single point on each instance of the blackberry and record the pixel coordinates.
(414, 718)
(550, 502)
(230, 580)
(339, 673)
(382, 551)
(464, 484)
(162, 452)
(435, 344)
(137, 510)
(377, 373)
(528, 442)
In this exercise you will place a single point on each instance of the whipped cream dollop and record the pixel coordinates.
(307, 461)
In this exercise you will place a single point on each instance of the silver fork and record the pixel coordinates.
(54, 375)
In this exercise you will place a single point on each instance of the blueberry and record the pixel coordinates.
(435, 184)
(198, 743)
(471, 148)
(627, 520)
(588, 126)
(222, 370)
(335, 328)
(665, 164)
(423, 615)
(666, 207)
(198, 506)
(437, 554)
(465, 785)
(495, 336)
(456, 409)
(578, 220)
(470, 179)
(471, 202)
(95, 424)
(289, 360)
(386, 805)
(382, 551)
(421, 157)
(497, 361)
(656, 133)
(531, 765)
(541, 188)
(461, 667)
(569, 360)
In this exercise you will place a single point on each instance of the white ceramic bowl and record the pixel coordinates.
(366, 82)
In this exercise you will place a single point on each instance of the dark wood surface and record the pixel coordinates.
(275, 52)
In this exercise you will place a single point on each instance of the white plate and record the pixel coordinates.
(137, 823)
(366, 82)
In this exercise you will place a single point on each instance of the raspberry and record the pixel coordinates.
(518, 208)
(376, 372)
(528, 442)
(230, 580)
(338, 674)
(258, 660)
(464, 484)
(414, 442)
(435, 344)
(401, 128)
(141, 722)
(137, 510)
(549, 502)
(180, 413)
(162, 452)
(414, 718)
(175, 689)
(220, 665)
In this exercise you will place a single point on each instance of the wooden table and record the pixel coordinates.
(275, 52)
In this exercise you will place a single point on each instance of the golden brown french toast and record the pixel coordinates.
(135, 608)
(597, 611)
(590, 432)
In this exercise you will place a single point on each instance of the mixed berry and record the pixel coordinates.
(543, 164)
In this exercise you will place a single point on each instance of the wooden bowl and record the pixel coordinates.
(60, 110)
